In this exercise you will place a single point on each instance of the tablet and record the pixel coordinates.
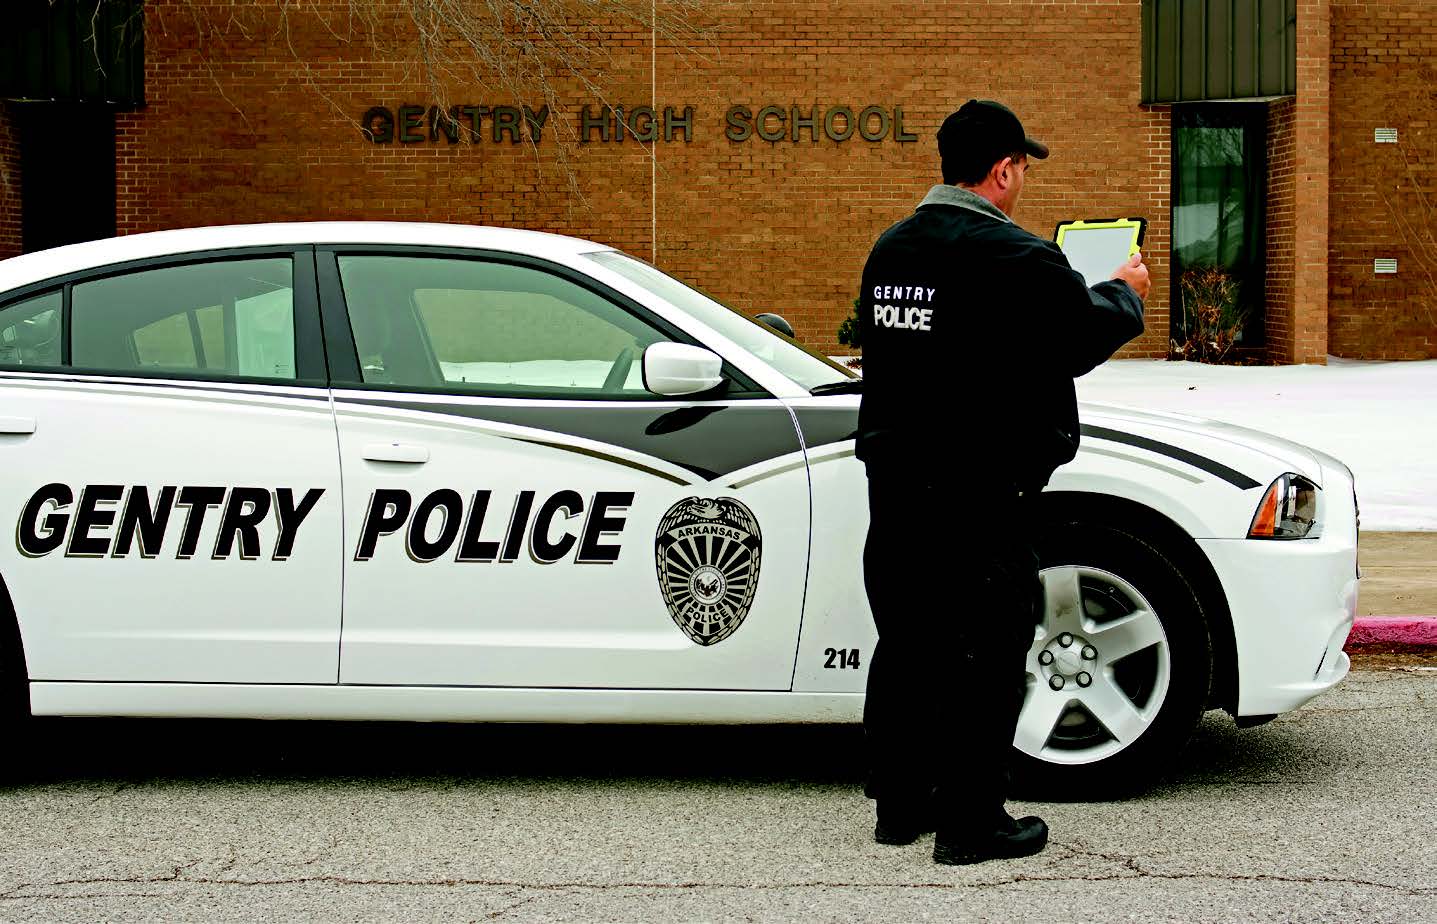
(1097, 246)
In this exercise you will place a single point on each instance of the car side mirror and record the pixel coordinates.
(777, 322)
(679, 369)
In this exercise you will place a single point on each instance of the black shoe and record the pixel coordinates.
(1021, 838)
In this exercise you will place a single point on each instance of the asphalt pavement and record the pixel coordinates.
(1327, 814)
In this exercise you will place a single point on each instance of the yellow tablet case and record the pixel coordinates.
(1139, 225)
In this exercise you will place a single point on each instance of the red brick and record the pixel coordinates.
(1384, 196)
(9, 185)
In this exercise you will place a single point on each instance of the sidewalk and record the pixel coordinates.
(1397, 605)
(1399, 574)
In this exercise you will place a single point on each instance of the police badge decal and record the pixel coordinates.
(707, 552)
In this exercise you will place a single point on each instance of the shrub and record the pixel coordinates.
(1212, 318)
(848, 331)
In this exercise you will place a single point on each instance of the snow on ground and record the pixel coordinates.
(1378, 417)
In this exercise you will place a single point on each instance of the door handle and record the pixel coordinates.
(396, 452)
(17, 425)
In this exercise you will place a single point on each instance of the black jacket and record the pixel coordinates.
(973, 331)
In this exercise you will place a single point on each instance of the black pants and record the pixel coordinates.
(953, 584)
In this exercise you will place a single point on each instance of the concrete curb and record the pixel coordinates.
(1414, 631)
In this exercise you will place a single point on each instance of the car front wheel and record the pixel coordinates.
(1119, 669)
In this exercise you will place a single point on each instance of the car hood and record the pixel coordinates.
(1299, 458)
(1286, 454)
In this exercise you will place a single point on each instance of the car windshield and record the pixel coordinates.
(797, 362)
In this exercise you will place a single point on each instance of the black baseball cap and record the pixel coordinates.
(984, 127)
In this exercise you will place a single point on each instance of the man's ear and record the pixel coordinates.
(1000, 172)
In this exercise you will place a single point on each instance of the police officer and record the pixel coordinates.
(973, 331)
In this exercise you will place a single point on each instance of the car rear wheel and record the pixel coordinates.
(1119, 669)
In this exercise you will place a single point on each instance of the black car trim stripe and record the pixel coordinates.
(67, 313)
(779, 469)
(725, 439)
(1230, 475)
(339, 347)
(309, 350)
(824, 425)
(595, 454)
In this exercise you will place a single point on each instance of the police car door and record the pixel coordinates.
(173, 495)
(520, 511)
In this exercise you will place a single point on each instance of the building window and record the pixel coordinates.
(1219, 191)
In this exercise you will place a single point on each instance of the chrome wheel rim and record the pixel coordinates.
(1098, 670)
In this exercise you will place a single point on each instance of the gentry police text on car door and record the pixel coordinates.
(503, 533)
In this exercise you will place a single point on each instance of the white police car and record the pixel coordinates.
(404, 471)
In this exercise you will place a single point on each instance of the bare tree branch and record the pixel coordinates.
(507, 49)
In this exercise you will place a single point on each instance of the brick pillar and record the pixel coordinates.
(1384, 72)
(1156, 179)
(1307, 341)
(10, 229)
(129, 172)
(1281, 226)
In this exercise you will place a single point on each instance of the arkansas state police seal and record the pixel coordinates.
(707, 552)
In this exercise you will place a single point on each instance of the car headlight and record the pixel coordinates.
(1288, 509)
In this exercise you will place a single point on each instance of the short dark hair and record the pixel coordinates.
(968, 168)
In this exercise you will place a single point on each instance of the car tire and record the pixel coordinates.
(1130, 592)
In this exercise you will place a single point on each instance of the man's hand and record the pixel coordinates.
(1135, 273)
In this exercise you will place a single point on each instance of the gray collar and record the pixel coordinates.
(943, 194)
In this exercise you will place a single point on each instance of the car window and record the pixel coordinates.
(227, 318)
(493, 328)
(792, 359)
(30, 331)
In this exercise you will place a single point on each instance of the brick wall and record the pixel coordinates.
(10, 227)
(1281, 221)
(1156, 205)
(1306, 340)
(237, 130)
(1384, 196)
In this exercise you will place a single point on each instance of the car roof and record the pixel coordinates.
(45, 264)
